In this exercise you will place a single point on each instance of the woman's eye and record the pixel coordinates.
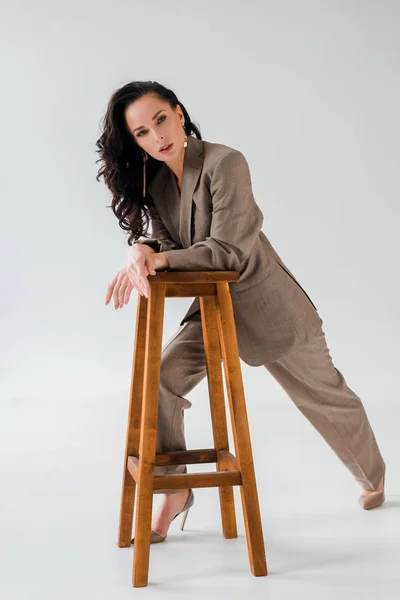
(163, 117)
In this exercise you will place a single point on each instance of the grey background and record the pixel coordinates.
(309, 92)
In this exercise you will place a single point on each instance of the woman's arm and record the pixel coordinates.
(236, 221)
(160, 240)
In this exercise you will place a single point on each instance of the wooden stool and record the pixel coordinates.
(219, 335)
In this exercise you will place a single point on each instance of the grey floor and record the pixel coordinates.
(61, 466)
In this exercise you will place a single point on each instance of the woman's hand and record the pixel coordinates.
(120, 287)
(141, 263)
(140, 266)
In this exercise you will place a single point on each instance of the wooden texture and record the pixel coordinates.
(148, 433)
(189, 457)
(183, 481)
(187, 290)
(212, 349)
(193, 277)
(133, 428)
(241, 433)
(228, 461)
(139, 481)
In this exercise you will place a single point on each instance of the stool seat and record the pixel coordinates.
(219, 336)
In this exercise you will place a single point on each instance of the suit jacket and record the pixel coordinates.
(214, 223)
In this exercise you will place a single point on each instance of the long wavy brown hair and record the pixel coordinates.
(122, 161)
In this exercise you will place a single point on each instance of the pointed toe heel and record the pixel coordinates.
(368, 501)
(155, 538)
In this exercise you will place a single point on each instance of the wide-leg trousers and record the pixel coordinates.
(309, 377)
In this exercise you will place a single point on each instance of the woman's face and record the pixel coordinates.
(153, 124)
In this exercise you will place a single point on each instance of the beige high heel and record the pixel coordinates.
(373, 500)
(156, 538)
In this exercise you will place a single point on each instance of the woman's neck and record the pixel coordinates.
(176, 166)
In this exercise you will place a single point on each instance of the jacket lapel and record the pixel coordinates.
(192, 165)
(164, 184)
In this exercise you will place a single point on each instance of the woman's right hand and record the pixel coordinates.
(120, 288)
(139, 268)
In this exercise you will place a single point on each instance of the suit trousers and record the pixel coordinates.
(308, 376)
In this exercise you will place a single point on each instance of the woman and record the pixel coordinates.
(199, 199)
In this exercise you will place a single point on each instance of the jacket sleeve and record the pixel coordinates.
(160, 239)
(235, 225)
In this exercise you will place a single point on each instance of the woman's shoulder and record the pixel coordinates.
(215, 151)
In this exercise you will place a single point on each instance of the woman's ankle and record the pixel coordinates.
(379, 489)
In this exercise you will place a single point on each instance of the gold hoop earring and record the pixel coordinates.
(145, 157)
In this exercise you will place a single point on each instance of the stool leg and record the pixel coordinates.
(241, 433)
(209, 321)
(133, 429)
(148, 434)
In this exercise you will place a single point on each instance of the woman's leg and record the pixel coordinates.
(321, 393)
(183, 366)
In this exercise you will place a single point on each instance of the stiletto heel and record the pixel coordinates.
(185, 514)
(189, 502)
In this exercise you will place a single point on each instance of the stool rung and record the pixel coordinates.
(183, 481)
(187, 457)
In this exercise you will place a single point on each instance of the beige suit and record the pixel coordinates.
(214, 223)
(219, 228)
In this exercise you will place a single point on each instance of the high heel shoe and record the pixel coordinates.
(156, 538)
(373, 500)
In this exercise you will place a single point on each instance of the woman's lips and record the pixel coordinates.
(167, 150)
